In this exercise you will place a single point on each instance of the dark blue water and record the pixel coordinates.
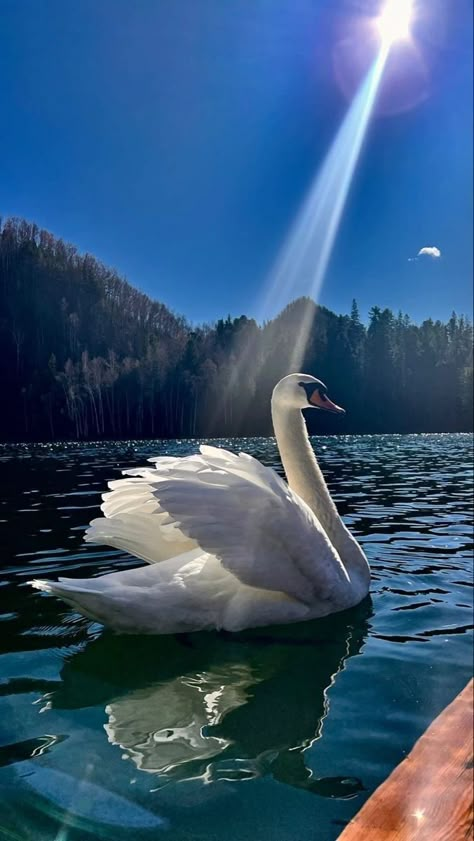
(280, 733)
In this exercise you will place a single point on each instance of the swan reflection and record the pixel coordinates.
(167, 726)
(219, 706)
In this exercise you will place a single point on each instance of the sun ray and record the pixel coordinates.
(303, 262)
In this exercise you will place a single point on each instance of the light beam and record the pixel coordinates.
(303, 261)
(302, 264)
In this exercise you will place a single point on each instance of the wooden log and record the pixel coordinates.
(429, 796)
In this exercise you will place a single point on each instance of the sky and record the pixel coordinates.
(176, 140)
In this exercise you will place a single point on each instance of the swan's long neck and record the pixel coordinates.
(305, 478)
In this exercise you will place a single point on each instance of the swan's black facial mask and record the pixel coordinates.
(310, 388)
(316, 394)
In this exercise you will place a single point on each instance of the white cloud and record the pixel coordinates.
(430, 251)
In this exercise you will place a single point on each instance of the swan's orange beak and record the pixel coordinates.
(322, 401)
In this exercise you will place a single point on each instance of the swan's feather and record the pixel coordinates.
(161, 598)
(133, 520)
(191, 592)
(140, 535)
(245, 515)
(235, 509)
(227, 543)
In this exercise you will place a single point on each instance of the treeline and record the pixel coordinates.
(84, 355)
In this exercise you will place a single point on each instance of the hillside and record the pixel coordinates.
(85, 355)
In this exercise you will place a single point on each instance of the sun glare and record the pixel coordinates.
(395, 20)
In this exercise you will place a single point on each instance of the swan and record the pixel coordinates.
(228, 544)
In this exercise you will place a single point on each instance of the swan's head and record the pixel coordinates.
(302, 391)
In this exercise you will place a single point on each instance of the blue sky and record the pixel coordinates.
(176, 139)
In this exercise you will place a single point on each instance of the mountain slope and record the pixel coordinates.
(85, 355)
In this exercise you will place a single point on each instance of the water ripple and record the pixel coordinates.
(322, 711)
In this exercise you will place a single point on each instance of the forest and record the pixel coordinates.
(85, 355)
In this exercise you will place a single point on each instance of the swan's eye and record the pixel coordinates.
(309, 390)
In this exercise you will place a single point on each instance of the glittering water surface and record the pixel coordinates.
(280, 733)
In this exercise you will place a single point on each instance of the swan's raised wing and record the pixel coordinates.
(133, 519)
(245, 515)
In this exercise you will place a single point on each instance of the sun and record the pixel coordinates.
(394, 21)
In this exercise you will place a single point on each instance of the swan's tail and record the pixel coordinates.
(84, 599)
(145, 599)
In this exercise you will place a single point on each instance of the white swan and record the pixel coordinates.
(229, 545)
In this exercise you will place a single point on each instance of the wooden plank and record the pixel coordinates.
(429, 796)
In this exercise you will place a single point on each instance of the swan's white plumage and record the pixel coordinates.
(245, 515)
(188, 593)
(228, 545)
(140, 535)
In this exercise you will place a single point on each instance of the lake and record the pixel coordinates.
(273, 734)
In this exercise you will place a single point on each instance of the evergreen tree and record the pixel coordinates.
(85, 355)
